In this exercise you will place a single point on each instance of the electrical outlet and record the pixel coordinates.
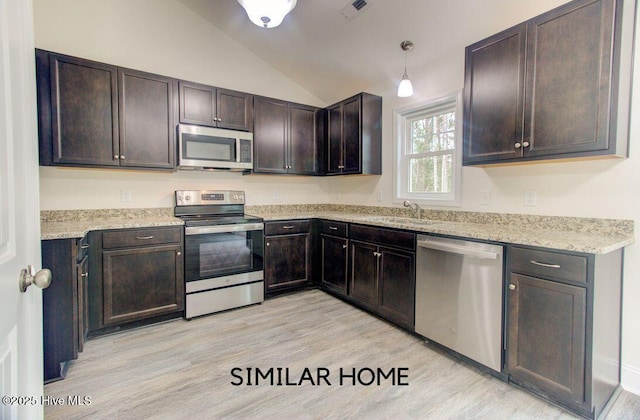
(485, 197)
(530, 198)
(125, 196)
(379, 196)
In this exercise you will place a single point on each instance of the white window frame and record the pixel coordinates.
(401, 143)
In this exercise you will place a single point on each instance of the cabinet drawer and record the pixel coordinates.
(549, 264)
(141, 237)
(338, 229)
(387, 237)
(287, 227)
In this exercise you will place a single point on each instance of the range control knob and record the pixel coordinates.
(187, 197)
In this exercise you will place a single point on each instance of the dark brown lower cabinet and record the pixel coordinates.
(364, 273)
(334, 263)
(382, 272)
(334, 256)
(287, 255)
(141, 276)
(63, 304)
(563, 326)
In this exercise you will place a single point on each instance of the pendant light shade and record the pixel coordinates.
(405, 88)
(267, 13)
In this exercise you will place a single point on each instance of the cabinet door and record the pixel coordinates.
(569, 56)
(84, 112)
(397, 286)
(59, 307)
(334, 147)
(234, 110)
(147, 123)
(197, 104)
(334, 263)
(364, 273)
(352, 136)
(546, 339)
(269, 136)
(286, 261)
(82, 276)
(302, 139)
(142, 282)
(493, 97)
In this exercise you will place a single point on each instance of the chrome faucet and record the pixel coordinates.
(415, 208)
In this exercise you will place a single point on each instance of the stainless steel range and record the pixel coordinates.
(224, 251)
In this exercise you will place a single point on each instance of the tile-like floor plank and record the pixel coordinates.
(183, 369)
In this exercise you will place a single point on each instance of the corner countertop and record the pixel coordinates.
(588, 235)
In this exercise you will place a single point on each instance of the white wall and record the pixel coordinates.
(135, 34)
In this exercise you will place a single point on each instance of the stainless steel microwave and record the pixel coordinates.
(208, 148)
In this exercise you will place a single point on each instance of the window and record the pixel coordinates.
(428, 164)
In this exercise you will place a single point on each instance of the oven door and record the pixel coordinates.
(224, 250)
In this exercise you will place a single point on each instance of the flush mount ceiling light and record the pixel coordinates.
(267, 13)
(405, 88)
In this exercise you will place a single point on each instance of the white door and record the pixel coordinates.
(20, 313)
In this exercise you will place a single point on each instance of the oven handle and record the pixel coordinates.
(204, 230)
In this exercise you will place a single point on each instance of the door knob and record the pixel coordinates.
(512, 286)
(28, 276)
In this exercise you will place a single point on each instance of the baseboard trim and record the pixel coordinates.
(631, 378)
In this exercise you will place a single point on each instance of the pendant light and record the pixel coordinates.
(267, 13)
(405, 88)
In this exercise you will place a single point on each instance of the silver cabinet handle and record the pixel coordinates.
(512, 286)
(517, 145)
(344, 247)
(85, 275)
(333, 228)
(178, 253)
(84, 246)
(544, 264)
(525, 144)
(142, 238)
(377, 254)
(288, 227)
(116, 157)
(268, 243)
(121, 157)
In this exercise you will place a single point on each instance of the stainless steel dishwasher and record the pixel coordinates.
(459, 297)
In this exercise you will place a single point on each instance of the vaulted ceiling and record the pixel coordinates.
(331, 57)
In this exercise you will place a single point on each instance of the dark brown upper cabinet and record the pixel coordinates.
(285, 137)
(215, 107)
(77, 111)
(550, 87)
(147, 120)
(354, 140)
(97, 115)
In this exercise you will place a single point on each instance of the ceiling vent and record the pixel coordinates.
(354, 9)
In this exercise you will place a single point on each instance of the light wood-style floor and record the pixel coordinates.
(182, 370)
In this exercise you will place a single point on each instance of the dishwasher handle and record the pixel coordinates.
(457, 249)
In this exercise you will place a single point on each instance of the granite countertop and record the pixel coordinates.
(588, 235)
(65, 224)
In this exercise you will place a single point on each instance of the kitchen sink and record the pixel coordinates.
(399, 220)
